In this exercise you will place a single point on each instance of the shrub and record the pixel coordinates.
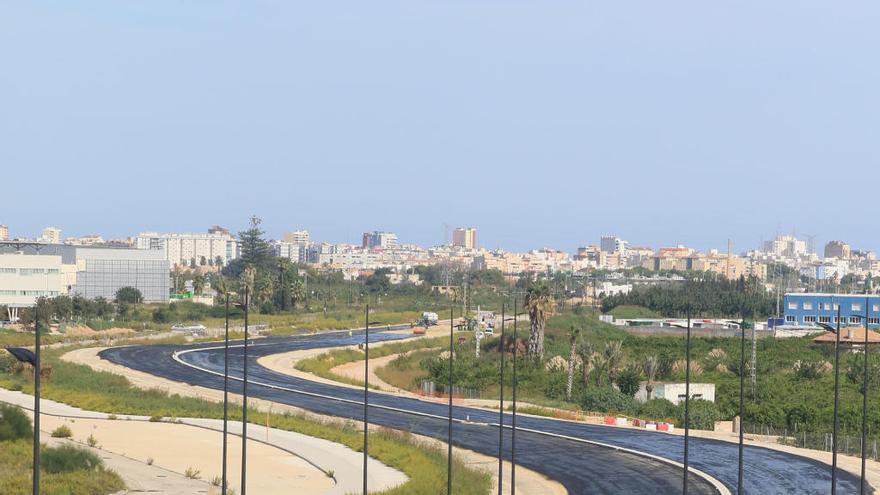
(658, 409)
(14, 424)
(92, 441)
(607, 399)
(67, 458)
(62, 431)
(628, 381)
(703, 414)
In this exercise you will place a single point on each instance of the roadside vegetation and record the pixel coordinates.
(322, 364)
(65, 470)
(83, 387)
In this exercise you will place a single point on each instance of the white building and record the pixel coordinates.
(51, 235)
(26, 277)
(296, 237)
(4, 232)
(188, 248)
(296, 252)
(675, 392)
(786, 245)
(376, 239)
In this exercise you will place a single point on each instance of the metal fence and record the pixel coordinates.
(431, 389)
(848, 444)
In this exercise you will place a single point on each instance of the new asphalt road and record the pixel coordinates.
(554, 448)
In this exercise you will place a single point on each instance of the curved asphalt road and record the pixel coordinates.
(580, 467)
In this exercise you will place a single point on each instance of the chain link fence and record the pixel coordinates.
(848, 443)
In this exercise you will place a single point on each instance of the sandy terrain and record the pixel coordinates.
(271, 471)
(83, 331)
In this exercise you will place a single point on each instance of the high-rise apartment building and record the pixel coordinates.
(838, 249)
(4, 232)
(51, 235)
(296, 237)
(612, 244)
(376, 239)
(786, 245)
(192, 248)
(465, 238)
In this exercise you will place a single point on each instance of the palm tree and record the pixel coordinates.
(199, 283)
(247, 281)
(585, 351)
(574, 334)
(613, 355)
(650, 366)
(297, 292)
(600, 362)
(538, 302)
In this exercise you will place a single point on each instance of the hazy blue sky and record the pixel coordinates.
(540, 123)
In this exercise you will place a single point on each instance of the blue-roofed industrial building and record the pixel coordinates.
(809, 309)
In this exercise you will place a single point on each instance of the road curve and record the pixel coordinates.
(580, 467)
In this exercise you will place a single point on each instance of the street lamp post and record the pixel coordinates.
(742, 378)
(449, 391)
(687, 400)
(244, 402)
(501, 408)
(367, 324)
(865, 402)
(864, 397)
(513, 417)
(225, 397)
(836, 421)
(36, 476)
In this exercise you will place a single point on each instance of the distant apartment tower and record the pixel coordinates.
(465, 238)
(296, 237)
(612, 244)
(51, 235)
(376, 239)
(4, 232)
(838, 249)
(786, 245)
(188, 248)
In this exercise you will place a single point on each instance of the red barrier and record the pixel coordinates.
(609, 420)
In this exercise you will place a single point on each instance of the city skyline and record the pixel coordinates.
(818, 242)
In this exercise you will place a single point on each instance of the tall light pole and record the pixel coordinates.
(225, 396)
(864, 397)
(513, 416)
(742, 377)
(687, 400)
(367, 324)
(449, 426)
(836, 420)
(244, 402)
(501, 410)
(36, 476)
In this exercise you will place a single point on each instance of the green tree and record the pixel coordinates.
(538, 303)
(255, 250)
(129, 295)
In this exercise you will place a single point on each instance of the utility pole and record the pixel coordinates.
(244, 402)
(36, 476)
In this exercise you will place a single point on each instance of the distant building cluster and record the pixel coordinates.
(91, 266)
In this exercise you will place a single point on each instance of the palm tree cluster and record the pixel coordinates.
(539, 304)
